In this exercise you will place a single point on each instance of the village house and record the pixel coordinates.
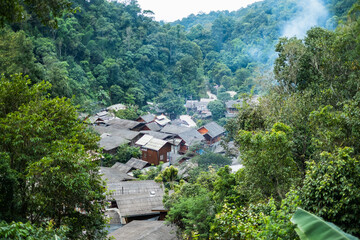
(154, 150)
(146, 118)
(153, 126)
(199, 107)
(125, 124)
(189, 138)
(136, 200)
(137, 164)
(231, 108)
(212, 132)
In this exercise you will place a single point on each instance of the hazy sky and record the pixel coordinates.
(171, 10)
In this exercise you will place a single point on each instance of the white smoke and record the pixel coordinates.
(311, 13)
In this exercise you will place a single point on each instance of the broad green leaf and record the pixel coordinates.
(312, 227)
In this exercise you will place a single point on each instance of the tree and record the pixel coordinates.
(217, 109)
(211, 159)
(44, 149)
(124, 154)
(331, 189)
(172, 104)
(269, 167)
(47, 12)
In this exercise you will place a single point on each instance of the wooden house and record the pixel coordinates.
(154, 150)
(212, 132)
(188, 139)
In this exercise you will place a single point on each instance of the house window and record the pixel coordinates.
(161, 157)
(145, 155)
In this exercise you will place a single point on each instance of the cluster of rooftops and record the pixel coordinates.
(160, 140)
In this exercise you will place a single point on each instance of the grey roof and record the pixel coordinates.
(174, 129)
(133, 187)
(113, 131)
(148, 118)
(137, 163)
(155, 144)
(214, 129)
(109, 142)
(159, 135)
(232, 103)
(153, 126)
(145, 230)
(191, 136)
(122, 167)
(139, 204)
(112, 175)
(124, 124)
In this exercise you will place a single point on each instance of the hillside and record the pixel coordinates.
(112, 52)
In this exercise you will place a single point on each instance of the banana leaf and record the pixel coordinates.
(312, 227)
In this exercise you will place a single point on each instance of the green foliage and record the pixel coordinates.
(256, 221)
(132, 112)
(217, 109)
(168, 177)
(269, 167)
(47, 12)
(171, 103)
(124, 154)
(192, 210)
(330, 189)
(150, 173)
(310, 226)
(211, 159)
(19, 230)
(43, 149)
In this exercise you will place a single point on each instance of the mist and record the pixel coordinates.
(312, 13)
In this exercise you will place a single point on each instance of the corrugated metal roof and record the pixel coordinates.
(133, 187)
(144, 140)
(174, 129)
(124, 123)
(145, 230)
(111, 142)
(155, 144)
(148, 118)
(112, 131)
(137, 163)
(112, 175)
(122, 167)
(153, 126)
